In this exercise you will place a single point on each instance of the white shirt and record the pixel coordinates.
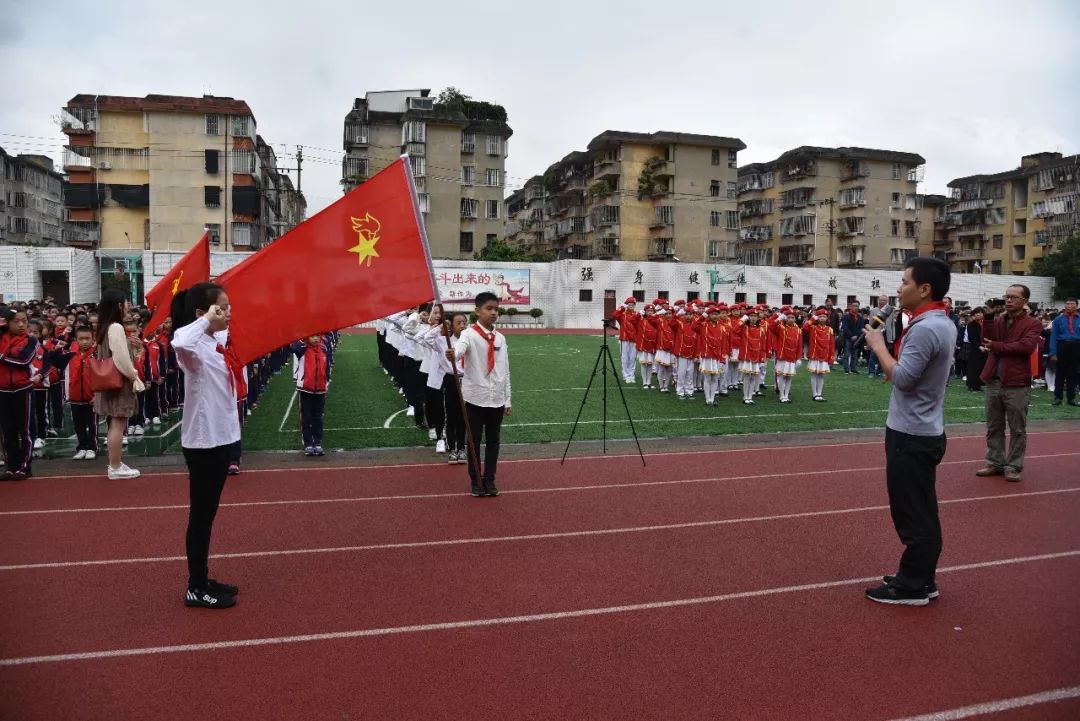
(490, 390)
(439, 366)
(210, 416)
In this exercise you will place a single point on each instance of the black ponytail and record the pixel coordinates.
(198, 297)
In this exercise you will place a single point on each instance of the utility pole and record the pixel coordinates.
(299, 166)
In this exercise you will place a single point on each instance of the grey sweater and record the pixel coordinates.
(921, 373)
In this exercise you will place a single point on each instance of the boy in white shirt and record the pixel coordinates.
(485, 386)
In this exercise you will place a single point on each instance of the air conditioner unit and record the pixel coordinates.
(104, 165)
(669, 251)
(862, 202)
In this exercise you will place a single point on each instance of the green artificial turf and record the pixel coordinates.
(549, 374)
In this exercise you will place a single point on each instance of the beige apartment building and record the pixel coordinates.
(458, 162)
(661, 196)
(831, 207)
(999, 223)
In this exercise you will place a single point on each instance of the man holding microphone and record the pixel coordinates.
(915, 429)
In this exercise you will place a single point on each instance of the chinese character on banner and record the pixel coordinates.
(875, 284)
(740, 279)
(483, 279)
(586, 273)
(471, 279)
(639, 278)
(444, 278)
(832, 281)
(459, 278)
(787, 281)
(694, 278)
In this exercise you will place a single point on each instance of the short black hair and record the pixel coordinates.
(484, 297)
(1024, 288)
(1071, 300)
(84, 329)
(931, 271)
(456, 313)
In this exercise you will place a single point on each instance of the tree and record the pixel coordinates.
(500, 250)
(452, 99)
(1063, 265)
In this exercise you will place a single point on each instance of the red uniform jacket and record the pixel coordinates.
(822, 345)
(736, 333)
(665, 334)
(754, 344)
(787, 342)
(37, 366)
(715, 340)
(685, 338)
(647, 334)
(17, 352)
(152, 360)
(312, 368)
(1012, 348)
(52, 374)
(77, 375)
(629, 321)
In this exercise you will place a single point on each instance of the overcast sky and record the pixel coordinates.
(971, 86)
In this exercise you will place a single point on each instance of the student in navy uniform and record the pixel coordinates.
(312, 374)
(74, 362)
(17, 352)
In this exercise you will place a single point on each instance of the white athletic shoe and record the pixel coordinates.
(139, 430)
(130, 430)
(90, 455)
(440, 447)
(39, 444)
(157, 421)
(122, 473)
(125, 441)
(411, 412)
(432, 434)
(79, 455)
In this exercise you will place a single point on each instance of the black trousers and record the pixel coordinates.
(152, 401)
(312, 407)
(434, 411)
(207, 470)
(85, 420)
(911, 474)
(15, 413)
(39, 422)
(455, 422)
(485, 423)
(56, 407)
(975, 361)
(1068, 369)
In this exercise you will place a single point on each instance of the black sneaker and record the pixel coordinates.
(217, 588)
(20, 475)
(490, 489)
(930, 588)
(478, 491)
(7, 475)
(893, 595)
(205, 599)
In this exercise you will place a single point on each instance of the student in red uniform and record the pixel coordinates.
(40, 397)
(153, 379)
(821, 352)
(734, 377)
(685, 351)
(75, 364)
(629, 320)
(787, 347)
(53, 375)
(714, 353)
(665, 347)
(312, 374)
(752, 355)
(646, 345)
(17, 352)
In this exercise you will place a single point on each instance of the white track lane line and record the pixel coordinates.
(524, 537)
(549, 489)
(1005, 704)
(288, 410)
(555, 459)
(501, 620)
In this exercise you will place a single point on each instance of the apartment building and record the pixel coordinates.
(661, 196)
(458, 156)
(31, 200)
(999, 223)
(831, 207)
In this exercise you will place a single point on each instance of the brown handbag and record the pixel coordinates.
(104, 375)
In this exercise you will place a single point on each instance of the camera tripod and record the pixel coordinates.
(604, 362)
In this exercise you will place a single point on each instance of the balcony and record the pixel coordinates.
(942, 242)
(854, 170)
(662, 249)
(78, 121)
(663, 217)
(797, 254)
(607, 169)
(73, 161)
(969, 254)
(606, 248)
(354, 171)
(356, 135)
(662, 167)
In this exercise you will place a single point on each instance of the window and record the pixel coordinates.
(808, 300)
(639, 296)
(493, 177)
(714, 248)
(1019, 226)
(714, 188)
(995, 267)
(211, 162)
(413, 131)
(714, 218)
(584, 295)
(419, 166)
(732, 190)
(740, 297)
(787, 298)
(494, 145)
(732, 220)
(662, 294)
(895, 200)
(999, 242)
(852, 299)
(851, 197)
(423, 200)
(213, 125)
(355, 168)
(692, 295)
(212, 196)
(214, 231)
(468, 142)
(240, 125)
(911, 229)
(716, 156)
(897, 171)
(468, 174)
(469, 207)
(762, 298)
(492, 210)
(465, 243)
(733, 159)
(242, 234)
(243, 161)
(1019, 252)
(895, 227)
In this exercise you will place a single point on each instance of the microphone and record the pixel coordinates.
(875, 321)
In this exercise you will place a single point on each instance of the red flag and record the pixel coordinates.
(361, 258)
(193, 268)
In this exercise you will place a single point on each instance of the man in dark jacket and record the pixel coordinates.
(974, 356)
(851, 328)
(1009, 338)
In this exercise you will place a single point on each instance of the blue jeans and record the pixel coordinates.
(851, 357)
(873, 366)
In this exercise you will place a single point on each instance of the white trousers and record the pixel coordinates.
(629, 360)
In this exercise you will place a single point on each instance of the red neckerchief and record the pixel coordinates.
(935, 305)
(236, 371)
(490, 338)
(1070, 318)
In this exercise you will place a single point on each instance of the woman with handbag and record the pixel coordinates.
(114, 378)
(210, 427)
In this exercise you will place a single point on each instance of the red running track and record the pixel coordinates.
(712, 585)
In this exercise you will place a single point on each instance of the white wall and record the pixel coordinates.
(21, 266)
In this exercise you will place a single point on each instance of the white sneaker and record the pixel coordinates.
(122, 473)
(440, 447)
(39, 444)
(130, 430)
(156, 422)
(79, 455)
(90, 455)
(411, 412)
(432, 434)
(125, 442)
(139, 430)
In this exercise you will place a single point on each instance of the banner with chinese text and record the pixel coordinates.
(460, 285)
